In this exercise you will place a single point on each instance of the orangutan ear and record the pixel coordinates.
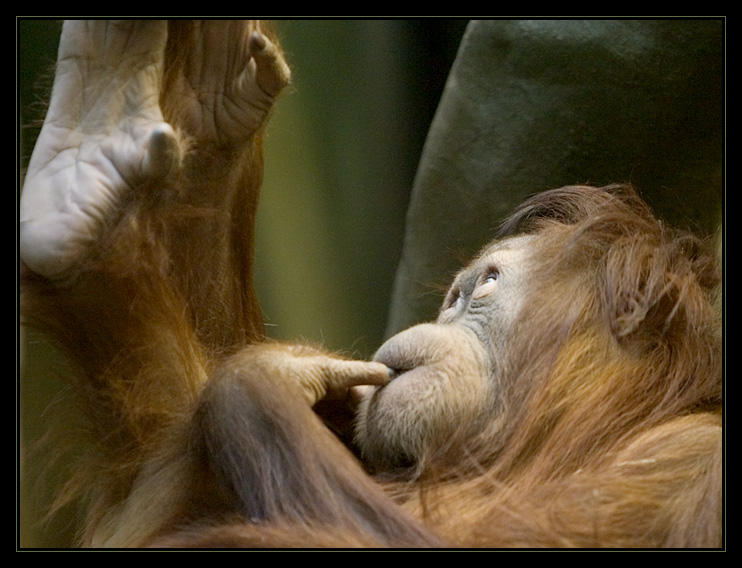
(647, 284)
(642, 295)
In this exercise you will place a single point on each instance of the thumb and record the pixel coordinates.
(337, 374)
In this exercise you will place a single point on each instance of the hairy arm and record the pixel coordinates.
(276, 461)
(136, 228)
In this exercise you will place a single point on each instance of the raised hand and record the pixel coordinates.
(103, 137)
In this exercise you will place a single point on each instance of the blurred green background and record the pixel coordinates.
(341, 153)
(342, 150)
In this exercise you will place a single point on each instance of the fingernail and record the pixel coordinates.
(258, 41)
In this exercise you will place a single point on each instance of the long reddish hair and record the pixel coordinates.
(617, 357)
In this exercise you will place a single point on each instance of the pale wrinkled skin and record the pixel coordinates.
(449, 371)
(225, 94)
(312, 372)
(104, 135)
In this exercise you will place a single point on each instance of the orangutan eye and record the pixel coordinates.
(454, 299)
(452, 303)
(487, 285)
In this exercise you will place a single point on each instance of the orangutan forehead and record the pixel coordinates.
(505, 247)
